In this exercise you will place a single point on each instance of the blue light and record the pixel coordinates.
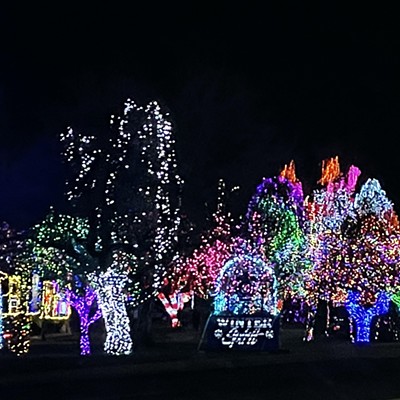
(245, 285)
(363, 315)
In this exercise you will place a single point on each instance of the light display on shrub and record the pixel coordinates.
(396, 299)
(372, 199)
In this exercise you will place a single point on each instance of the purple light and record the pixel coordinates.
(83, 305)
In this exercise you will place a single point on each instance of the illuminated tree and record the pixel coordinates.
(3, 277)
(12, 245)
(215, 248)
(354, 248)
(274, 224)
(372, 257)
(110, 286)
(126, 183)
(326, 211)
(6, 255)
(194, 275)
(50, 255)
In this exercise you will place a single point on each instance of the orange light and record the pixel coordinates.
(330, 170)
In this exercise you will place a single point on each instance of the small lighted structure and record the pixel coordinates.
(12, 297)
(245, 312)
(54, 302)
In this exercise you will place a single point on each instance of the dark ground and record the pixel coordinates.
(172, 368)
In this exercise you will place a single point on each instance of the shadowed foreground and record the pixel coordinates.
(172, 368)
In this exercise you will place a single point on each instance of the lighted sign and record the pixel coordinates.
(241, 333)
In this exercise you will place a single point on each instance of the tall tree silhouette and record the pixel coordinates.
(126, 183)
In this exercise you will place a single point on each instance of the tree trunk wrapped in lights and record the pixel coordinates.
(110, 287)
(21, 321)
(363, 315)
(125, 182)
(83, 306)
(50, 255)
(372, 257)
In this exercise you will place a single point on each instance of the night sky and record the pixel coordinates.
(248, 88)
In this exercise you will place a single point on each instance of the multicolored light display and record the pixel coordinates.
(353, 244)
(246, 285)
(195, 275)
(274, 225)
(340, 244)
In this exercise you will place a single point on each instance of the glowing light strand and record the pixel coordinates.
(110, 288)
(83, 306)
(363, 315)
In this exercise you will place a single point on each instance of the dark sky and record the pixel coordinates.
(249, 89)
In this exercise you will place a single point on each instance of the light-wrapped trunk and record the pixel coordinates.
(363, 316)
(110, 289)
(83, 306)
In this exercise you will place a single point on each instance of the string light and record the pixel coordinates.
(353, 244)
(3, 276)
(110, 289)
(363, 316)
